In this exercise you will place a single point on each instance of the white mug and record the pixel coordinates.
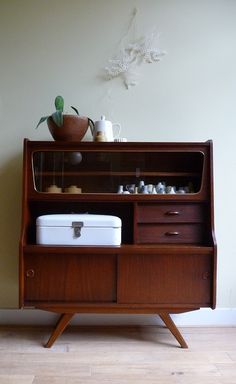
(105, 128)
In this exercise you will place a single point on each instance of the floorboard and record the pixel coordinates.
(117, 355)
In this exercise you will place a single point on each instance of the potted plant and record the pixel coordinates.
(66, 127)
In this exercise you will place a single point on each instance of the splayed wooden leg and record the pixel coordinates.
(61, 325)
(165, 317)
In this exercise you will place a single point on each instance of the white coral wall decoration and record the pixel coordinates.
(133, 54)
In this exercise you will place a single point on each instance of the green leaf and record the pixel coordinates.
(59, 103)
(75, 109)
(58, 118)
(42, 120)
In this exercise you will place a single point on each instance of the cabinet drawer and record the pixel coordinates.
(169, 233)
(169, 213)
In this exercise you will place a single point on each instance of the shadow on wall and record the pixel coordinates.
(10, 222)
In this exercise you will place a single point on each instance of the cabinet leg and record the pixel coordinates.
(60, 326)
(165, 317)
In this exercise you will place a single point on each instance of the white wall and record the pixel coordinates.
(51, 47)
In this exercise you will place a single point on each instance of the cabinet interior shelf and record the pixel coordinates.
(112, 173)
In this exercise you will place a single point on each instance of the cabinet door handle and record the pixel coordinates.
(172, 233)
(30, 273)
(172, 213)
(206, 275)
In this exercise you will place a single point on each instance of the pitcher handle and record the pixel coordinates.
(119, 130)
(91, 125)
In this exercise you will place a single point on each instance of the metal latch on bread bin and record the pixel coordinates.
(77, 225)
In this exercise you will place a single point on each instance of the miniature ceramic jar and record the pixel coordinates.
(73, 189)
(54, 189)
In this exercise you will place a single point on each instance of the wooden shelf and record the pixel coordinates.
(116, 174)
(122, 249)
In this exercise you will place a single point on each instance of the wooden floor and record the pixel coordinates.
(118, 355)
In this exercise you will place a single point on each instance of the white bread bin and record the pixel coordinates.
(78, 229)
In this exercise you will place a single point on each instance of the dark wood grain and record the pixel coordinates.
(78, 278)
(170, 213)
(188, 233)
(166, 279)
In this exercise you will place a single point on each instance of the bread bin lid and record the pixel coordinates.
(88, 220)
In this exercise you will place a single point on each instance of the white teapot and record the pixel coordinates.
(103, 130)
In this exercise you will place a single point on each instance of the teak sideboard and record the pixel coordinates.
(166, 263)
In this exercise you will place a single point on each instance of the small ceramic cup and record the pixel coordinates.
(170, 189)
(130, 188)
(150, 188)
(145, 190)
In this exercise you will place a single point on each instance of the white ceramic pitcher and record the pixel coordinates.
(103, 130)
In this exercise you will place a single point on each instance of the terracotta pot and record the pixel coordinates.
(73, 129)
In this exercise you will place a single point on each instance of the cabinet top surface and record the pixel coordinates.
(114, 145)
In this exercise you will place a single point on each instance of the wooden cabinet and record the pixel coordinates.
(167, 260)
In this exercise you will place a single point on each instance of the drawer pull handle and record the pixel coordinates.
(30, 273)
(172, 213)
(172, 233)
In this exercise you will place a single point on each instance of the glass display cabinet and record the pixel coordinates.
(163, 194)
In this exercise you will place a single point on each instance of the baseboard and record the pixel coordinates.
(202, 317)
